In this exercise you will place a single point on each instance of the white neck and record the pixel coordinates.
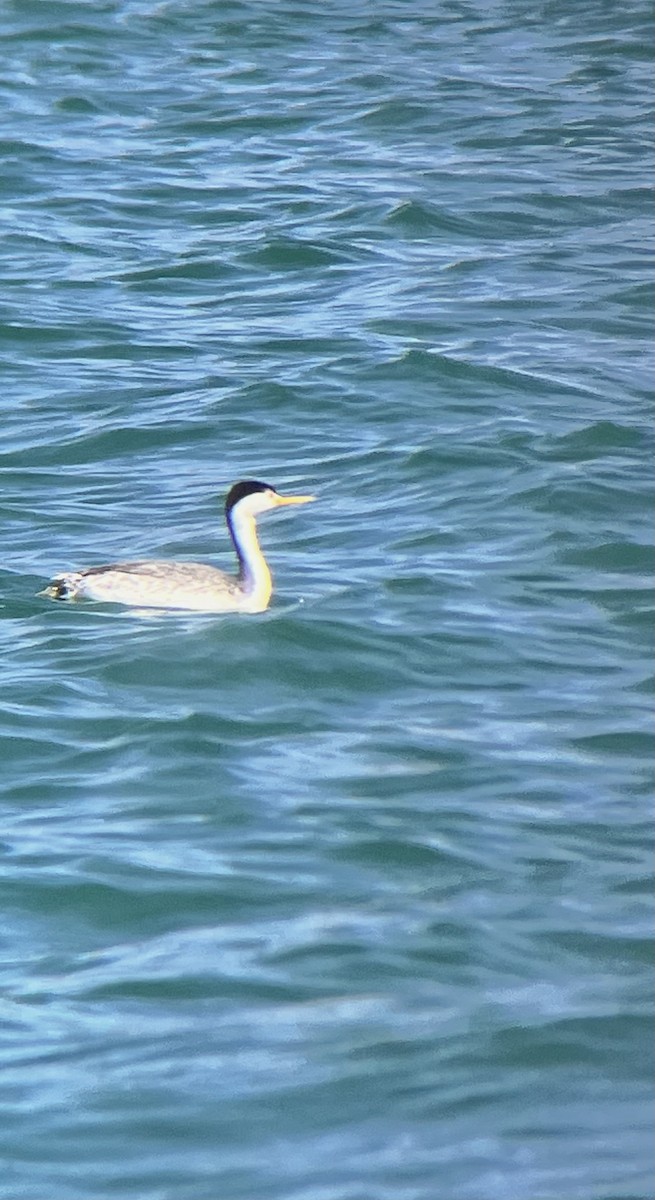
(254, 575)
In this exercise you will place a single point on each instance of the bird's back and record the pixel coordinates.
(153, 584)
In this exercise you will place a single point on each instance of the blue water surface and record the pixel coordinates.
(350, 900)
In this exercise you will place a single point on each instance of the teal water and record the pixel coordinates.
(349, 901)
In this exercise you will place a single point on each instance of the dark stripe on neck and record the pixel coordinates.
(237, 548)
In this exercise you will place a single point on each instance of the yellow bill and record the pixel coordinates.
(280, 500)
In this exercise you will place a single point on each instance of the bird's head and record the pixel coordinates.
(250, 497)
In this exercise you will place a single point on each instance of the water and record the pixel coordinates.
(349, 901)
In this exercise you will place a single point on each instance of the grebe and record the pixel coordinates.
(190, 586)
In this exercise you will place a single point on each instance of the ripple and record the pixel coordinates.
(353, 895)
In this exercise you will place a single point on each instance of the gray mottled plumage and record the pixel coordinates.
(154, 583)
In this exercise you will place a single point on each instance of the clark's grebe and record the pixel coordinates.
(197, 587)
